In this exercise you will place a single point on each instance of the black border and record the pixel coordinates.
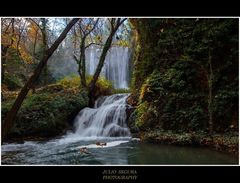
(94, 174)
(145, 173)
(144, 10)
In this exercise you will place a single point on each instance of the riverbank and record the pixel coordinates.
(228, 142)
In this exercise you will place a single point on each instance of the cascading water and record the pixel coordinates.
(106, 119)
(116, 67)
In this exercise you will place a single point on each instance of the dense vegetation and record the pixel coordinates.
(186, 75)
(46, 113)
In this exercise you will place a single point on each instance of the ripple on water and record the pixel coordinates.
(118, 151)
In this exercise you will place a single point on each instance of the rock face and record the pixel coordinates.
(131, 117)
(132, 100)
(129, 111)
(131, 124)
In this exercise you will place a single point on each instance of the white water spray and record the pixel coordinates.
(106, 119)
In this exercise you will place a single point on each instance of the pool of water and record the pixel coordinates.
(118, 151)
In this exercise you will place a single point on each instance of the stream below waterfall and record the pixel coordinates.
(120, 151)
(106, 122)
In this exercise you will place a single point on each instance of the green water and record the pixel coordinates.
(119, 151)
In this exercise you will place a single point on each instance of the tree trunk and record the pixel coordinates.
(92, 84)
(83, 63)
(210, 95)
(45, 73)
(4, 48)
(45, 47)
(33, 57)
(11, 115)
(3, 55)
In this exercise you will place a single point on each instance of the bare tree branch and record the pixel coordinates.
(19, 39)
(94, 26)
(122, 21)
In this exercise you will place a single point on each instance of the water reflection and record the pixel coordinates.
(169, 154)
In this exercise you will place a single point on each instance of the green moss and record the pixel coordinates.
(69, 82)
(140, 117)
(103, 86)
(146, 115)
(121, 90)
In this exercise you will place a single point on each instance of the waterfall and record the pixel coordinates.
(116, 66)
(106, 119)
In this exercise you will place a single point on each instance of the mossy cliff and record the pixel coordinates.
(185, 70)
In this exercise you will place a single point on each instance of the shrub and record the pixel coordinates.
(12, 81)
(70, 81)
(74, 81)
(121, 90)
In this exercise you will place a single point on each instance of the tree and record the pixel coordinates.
(89, 32)
(7, 31)
(11, 115)
(45, 46)
(114, 25)
(210, 91)
(23, 44)
(206, 47)
(39, 25)
(84, 30)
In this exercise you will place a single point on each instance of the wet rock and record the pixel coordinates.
(132, 100)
